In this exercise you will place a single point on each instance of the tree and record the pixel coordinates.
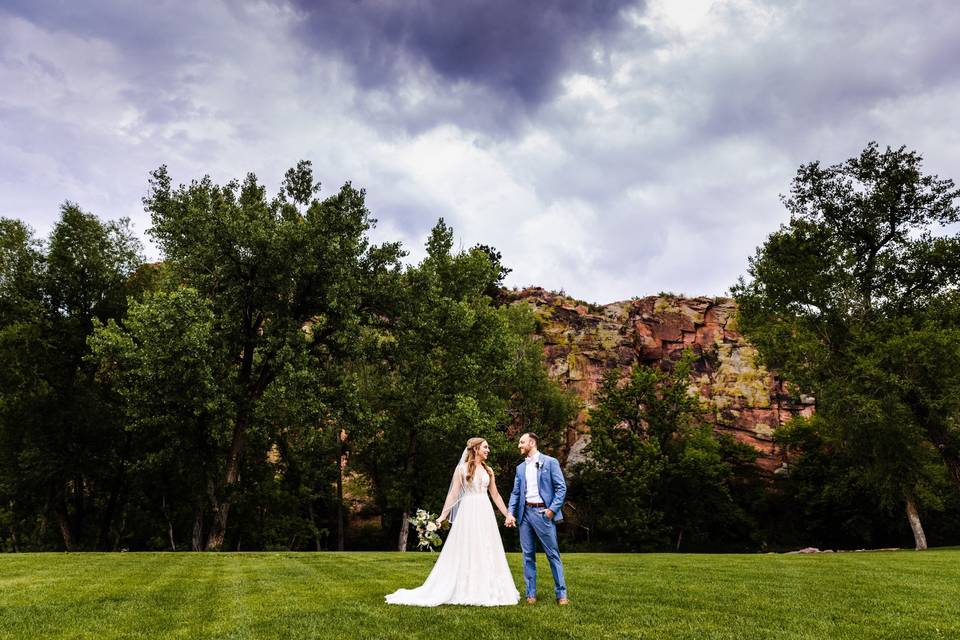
(21, 388)
(537, 403)
(834, 297)
(163, 364)
(654, 470)
(500, 271)
(282, 276)
(60, 436)
(448, 366)
(826, 496)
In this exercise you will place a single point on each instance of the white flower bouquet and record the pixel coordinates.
(428, 531)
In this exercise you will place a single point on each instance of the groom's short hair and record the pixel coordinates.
(533, 436)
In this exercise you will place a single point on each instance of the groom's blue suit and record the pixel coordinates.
(534, 524)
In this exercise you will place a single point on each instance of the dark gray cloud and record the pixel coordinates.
(608, 148)
(515, 49)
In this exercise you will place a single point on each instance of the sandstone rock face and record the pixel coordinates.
(582, 341)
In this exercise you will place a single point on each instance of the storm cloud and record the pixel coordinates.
(607, 148)
(516, 50)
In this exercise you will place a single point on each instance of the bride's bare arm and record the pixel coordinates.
(495, 495)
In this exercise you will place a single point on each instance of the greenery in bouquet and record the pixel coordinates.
(428, 529)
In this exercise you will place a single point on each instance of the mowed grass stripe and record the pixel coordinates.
(68, 588)
(332, 595)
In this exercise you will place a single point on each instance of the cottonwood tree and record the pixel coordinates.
(449, 365)
(281, 275)
(61, 439)
(853, 300)
(163, 363)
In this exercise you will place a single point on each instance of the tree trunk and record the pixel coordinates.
(340, 523)
(120, 530)
(220, 504)
(13, 528)
(914, 518)
(197, 540)
(166, 516)
(218, 529)
(79, 509)
(103, 535)
(679, 539)
(404, 530)
(316, 529)
(408, 470)
(68, 541)
(221, 508)
(218, 525)
(63, 520)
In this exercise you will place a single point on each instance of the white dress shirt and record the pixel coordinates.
(530, 473)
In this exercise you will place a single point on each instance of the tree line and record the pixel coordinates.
(224, 397)
(854, 301)
(278, 381)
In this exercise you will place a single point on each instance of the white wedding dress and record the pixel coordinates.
(472, 567)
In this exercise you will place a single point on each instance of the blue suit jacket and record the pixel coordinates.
(550, 482)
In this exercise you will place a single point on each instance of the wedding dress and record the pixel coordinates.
(472, 567)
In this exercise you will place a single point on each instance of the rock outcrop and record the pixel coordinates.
(582, 341)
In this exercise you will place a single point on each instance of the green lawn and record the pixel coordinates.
(340, 595)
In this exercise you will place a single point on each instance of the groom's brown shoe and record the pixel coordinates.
(531, 600)
(563, 601)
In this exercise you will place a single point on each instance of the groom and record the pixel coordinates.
(538, 493)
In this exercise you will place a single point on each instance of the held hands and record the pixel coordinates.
(510, 521)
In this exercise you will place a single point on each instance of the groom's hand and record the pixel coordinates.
(510, 521)
(548, 513)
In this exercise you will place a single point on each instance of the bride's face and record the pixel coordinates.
(483, 451)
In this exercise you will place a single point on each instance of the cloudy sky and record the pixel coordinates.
(605, 147)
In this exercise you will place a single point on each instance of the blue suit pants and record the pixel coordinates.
(536, 526)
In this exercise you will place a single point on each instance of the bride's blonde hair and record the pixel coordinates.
(472, 445)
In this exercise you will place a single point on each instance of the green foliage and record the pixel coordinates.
(274, 362)
(656, 476)
(854, 302)
(61, 453)
(824, 498)
(162, 363)
(292, 282)
(501, 271)
(449, 366)
(278, 368)
(536, 402)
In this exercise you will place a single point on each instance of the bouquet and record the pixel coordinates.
(428, 531)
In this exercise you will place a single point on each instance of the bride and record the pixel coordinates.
(472, 567)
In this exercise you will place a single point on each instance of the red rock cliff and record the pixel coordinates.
(582, 341)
